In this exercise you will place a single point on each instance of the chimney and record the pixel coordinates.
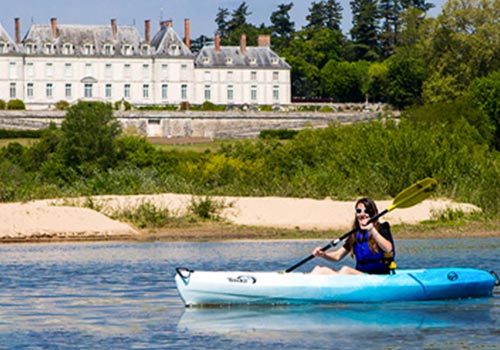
(169, 23)
(114, 28)
(243, 44)
(53, 24)
(187, 32)
(163, 24)
(17, 29)
(147, 30)
(217, 42)
(264, 41)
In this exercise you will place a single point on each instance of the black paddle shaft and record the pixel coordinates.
(334, 242)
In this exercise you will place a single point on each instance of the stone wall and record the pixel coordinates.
(195, 124)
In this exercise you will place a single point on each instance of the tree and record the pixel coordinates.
(325, 13)
(88, 137)
(486, 94)
(344, 80)
(281, 25)
(221, 21)
(239, 17)
(390, 11)
(405, 80)
(364, 32)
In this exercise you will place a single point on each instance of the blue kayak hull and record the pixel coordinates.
(244, 287)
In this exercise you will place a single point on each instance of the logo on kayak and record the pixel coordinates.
(242, 279)
(452, 276)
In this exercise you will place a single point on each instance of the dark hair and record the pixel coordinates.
(372, 209)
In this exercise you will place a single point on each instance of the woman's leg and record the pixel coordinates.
(323, 270)
(346, 270)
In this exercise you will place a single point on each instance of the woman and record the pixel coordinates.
(371, 244)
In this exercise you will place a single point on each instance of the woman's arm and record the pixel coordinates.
(382, 242)
(336, 255)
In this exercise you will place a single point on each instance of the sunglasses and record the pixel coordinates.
(359, 211)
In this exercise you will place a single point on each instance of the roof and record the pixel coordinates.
(165, 43)
(232, 57)
(10, 45)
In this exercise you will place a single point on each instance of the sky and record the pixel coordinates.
(134, 12)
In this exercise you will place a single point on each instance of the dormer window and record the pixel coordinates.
(229, 60)
(275, 60)
(206, 60)
(252, 60)
(3, 47)
(29, 48)
(127, 50)
(145, 50)
(49, 48)
(87, 49)
(174, 50)
(67, 49)
(108, 50)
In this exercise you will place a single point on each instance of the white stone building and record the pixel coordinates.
(111, 63)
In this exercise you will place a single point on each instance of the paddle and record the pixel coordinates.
(409, 197)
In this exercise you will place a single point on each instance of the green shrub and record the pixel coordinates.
(16, 105)
(2, 104)
(20, 134)
(126, 105)
(280, 134)
(146, 215)
(206, 208)
(62, 105)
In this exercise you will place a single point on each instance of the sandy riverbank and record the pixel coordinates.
(62, 220)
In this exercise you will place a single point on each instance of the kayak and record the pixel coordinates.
(198, 288)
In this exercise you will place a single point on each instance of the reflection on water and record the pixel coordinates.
(340, 317)
(123, 296)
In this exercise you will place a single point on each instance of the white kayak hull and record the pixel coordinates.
(198, 288)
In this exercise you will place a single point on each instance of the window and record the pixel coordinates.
(229, 60)
(108, 50)
(48, 49)
(29, 48)
(184, 92)
(126, 70)
(126, 91)
(2, 48)
(276, 76)
(145, 90)
(67, 90)
(12, 70)
(127, 50)
(184, 71)
(68, 70)
(30, 71)
(88, 69)
(230, 76)
(253, 75)
(12, 90)
(164, 71)
(253, 93)
(164, 91)
(67, 49)
(208, 76)
(230, 93)
(145, 71)
(275, 60)
(145, 50)
(276, 93)
(108, 91)
(108, 70)
(87, 50)
(48, 90)
(87, 88)
(208, 93)
(29, 90)
(49, 70)
(252, 61)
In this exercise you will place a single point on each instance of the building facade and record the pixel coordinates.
(112, 63)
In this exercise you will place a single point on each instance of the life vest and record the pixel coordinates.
(372, 262)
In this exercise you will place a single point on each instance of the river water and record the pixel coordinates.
(122, 296)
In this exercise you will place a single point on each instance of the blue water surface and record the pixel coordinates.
(122, 296)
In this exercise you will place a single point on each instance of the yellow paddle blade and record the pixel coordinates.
(414, 194)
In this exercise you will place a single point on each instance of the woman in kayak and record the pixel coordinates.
(371, 244)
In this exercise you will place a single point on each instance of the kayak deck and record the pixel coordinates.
(198, 288)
